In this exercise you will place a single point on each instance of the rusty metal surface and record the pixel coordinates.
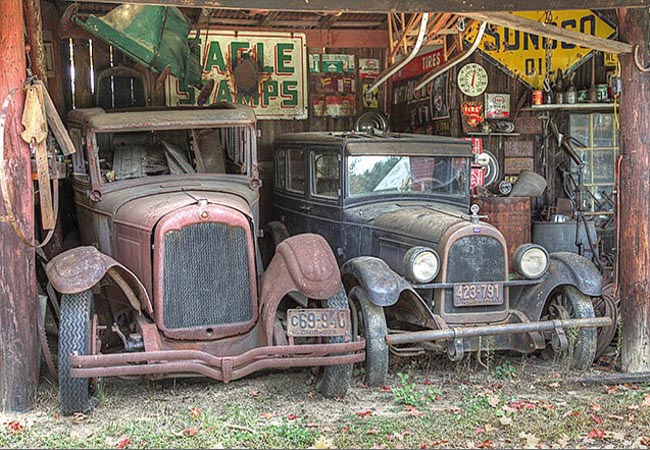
(303, 263)
(494, 330)
(183, 362)
(194, 214)
(82, 268)
(163, 119)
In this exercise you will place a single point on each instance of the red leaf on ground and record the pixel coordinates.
(254, 393)
(385, 389)
(611, 389)
(196, 413)
(486, 444)
(363, 414)
(596, 434)
(266, 415)
(413, 411)
(523, 404)
(427, 382)
(124, 443)
(570, 413)
(14, 426)
(439, 442)
(292, 416)
(549, 407)
(596, 419)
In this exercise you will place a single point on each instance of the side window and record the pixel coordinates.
(78, 158)
(280, 169)
(296, 157)
(325, 170)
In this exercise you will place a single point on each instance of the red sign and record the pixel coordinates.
(421, 64)
(477, 175)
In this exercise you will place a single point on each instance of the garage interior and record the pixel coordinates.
(564, 123)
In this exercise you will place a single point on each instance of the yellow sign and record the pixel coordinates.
(523, 55)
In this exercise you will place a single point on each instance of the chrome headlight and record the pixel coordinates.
(421, 264)
(530, 261)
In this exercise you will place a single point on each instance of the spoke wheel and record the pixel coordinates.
(566, 302)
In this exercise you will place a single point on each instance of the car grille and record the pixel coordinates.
(206, 276)
(474, 259)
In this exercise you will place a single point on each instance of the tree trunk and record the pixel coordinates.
(634, 26)
(18, 337)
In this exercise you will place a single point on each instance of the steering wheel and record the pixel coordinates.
(436, 183)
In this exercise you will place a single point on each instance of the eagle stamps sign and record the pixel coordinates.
(266, 70)
(522, 54)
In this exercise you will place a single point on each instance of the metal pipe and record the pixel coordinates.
(418, 44)
(454, 62)
(493, 330)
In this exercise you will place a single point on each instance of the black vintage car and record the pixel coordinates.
(416, 261)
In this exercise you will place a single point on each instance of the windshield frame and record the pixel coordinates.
(453, 199)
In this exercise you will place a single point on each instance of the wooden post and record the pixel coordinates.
(19, 351)
(634, 26)
(34, 25)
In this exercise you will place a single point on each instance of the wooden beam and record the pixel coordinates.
(19, 351)
(34, 27)
(328, 20)
(411, 6)
(270, 17)
(634, 201)
(551, 31)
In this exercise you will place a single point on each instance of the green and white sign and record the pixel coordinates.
(266, 70)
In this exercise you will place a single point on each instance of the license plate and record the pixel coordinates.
(478, 294)
(318, 322)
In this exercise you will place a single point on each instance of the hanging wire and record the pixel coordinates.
(548, 53)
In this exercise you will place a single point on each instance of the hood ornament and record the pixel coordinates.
(475, 217)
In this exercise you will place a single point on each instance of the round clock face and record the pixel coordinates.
(472, 79)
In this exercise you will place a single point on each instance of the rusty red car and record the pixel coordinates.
(168, 279)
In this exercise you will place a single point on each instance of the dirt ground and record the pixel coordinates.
(516, 402)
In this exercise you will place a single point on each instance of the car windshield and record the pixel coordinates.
(128, 155)
(382, 174)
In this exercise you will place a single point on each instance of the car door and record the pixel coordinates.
(324, 195)
(290, 190)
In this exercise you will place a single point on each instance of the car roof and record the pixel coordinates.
(142, 119)
(382, 143)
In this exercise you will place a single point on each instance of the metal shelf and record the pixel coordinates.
(569, 107)
(479, 133)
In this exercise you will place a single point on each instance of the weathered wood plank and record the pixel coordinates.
(18, 336)
(634, 199)
(551, 31)
(394, 5)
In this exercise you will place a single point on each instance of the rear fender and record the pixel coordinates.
(303, 263)
(382, 285)
(564, 269)
(81, 268)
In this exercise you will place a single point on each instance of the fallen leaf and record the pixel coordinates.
(385, 389)
(185, 432)
(254, 393)
(493, 400)
(596, 419)
(646, 401)
(524, 404)
(595, 407)
(439, 442)
(323, 442)
(554, 385)
(485, 444)
(292, 416)
(363, 414)
(372, 431)
(124, 443)
(611, 389)
(596, 434)
(505, 420)
(532, 441)
(427, 382)
(14, 426)
(413, 411)
(548, 407)
(78, 418)
(196, 413)
(570, 413)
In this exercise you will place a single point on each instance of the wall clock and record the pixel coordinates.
(472, 79)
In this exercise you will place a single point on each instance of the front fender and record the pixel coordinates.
(303, 263)
(81, 268)
(377, 279)
(564, 269)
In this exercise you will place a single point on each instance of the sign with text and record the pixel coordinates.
(420, 65)
(522, 54)
(266, 70)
